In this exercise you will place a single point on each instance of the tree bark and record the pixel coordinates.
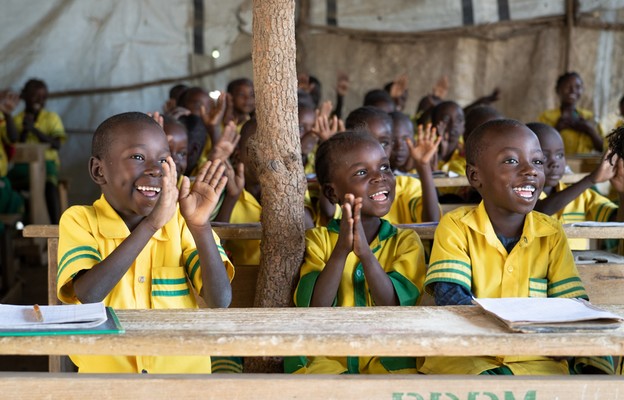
(275, 152)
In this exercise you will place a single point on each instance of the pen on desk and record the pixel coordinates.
(37, 313)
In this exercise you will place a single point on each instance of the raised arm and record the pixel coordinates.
(196, 205)
(422, 152)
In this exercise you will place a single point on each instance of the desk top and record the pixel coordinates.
(390, 331)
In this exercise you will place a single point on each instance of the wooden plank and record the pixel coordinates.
(340, 331)
(43, 385)
(603, 282)
(34, 155)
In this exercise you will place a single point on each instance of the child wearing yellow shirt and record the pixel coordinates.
(360, 260)
(144, 244)
(502, 248)
(576, 202)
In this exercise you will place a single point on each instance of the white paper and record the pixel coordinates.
(544, 310)
(590, 224)
(59, 316)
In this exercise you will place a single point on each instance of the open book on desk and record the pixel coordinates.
(93, 318)
(552, 314)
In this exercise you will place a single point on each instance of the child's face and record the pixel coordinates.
(382, 131)
(196, 100)
(570, 90)
(453, 115)
(364, 171)
(552, 147)
(401, 132)
(307, 117)
(178, 145)
(244, 99)
(131, 172)
(35, 98)
(510, 173)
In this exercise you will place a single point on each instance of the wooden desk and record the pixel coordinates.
(391, 331)
(34, 155)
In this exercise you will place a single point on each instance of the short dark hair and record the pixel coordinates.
(332, 149)
(376, 96)
(540, 128)
(475, 115)
(238, 82)
(438, 109)
(475, 145)
(359, 118)
(33, 84)
(102, 137)
(565, 76)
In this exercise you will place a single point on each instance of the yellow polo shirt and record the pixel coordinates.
(246, 210)
(163, 276)
(588, 206)
(467, 252)
(400, 254)
(574, 142)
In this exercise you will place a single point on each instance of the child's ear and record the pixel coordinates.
(330, 193)
(95, 170)
(472, 173)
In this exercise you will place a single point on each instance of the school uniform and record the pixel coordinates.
(246, 210)
(574, 142)
(165, 275)
(588, 206)
(400, 254)
(50, 124)
(467, 252)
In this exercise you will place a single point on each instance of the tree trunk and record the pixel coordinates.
(275, 151)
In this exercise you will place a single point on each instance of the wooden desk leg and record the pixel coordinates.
(38, 209)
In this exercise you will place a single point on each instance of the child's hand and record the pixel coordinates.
(169, 106)
(342, 84)
(8, 101)
(28, 122)
(441, 87)
(228, 114)
(345, 237)
(226, 144)
(325, 127)
(360, 243)
(235, 179)
(604, 171)
(166, 205)
(426, 146)
(156, 116)
(325, 108)
(198, 203)
(617, 181)
(214, 116)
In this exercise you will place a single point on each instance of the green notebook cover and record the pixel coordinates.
(111, 326)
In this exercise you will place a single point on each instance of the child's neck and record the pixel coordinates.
(507, 224)
(371, 226)
(254, 190)
(549, 190)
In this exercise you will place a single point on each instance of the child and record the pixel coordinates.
(402, 132)
(177, 138)
(381, 99)
(501, 248)
(575, 202)
(360, 260)
(11, 202)
(621, 120)
(448, 118)
(416, 199)
(243, 101)
(134, 248)
(37, 125)
(579, 132)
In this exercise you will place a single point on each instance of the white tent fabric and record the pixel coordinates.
(103, 44)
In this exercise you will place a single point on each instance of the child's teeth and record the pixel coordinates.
(148, 189)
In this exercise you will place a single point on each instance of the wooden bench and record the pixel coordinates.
(355, 331)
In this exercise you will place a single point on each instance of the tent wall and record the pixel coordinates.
(107, 56)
